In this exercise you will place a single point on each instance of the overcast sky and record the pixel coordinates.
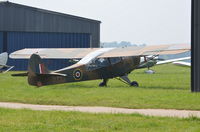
(137, 21)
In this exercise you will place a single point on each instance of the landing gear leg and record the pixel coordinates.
(127, 81)
(104, 83)
(149, 71)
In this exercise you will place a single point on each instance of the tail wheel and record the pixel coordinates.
(39, 84)
(134, 84)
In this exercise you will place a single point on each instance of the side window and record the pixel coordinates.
(103, 62)
(115, 60)
(98, 63)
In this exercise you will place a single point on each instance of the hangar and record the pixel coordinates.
(28, 27)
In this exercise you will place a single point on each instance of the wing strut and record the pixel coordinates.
(127, 81)
(11, 67)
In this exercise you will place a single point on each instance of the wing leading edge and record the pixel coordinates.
(53, 53)
(73, 53)
(147, 50)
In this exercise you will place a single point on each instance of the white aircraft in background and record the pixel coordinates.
(181, 63)
(150, 61)
(3, 61)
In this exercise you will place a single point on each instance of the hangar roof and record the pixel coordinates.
(48, 11)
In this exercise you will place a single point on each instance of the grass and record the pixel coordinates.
(169, 88)
(40, 121)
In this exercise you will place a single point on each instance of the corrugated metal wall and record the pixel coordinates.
(20, 18)
(20, 40)
(1, 42)
(29, 27)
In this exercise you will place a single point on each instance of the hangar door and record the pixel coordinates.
(19, 40)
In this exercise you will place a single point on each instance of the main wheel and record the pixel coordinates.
(134, 84)
(102, 84)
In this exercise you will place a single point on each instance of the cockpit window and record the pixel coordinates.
(102, 62)
(98, 63)
(115, 60)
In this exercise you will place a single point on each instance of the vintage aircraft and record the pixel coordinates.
(3, 61)
(96, 63)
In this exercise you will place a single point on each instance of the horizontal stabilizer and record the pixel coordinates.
(59, 74)
(20, 74)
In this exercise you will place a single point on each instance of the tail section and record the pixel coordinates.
(36, 65)
(39, 75)
(3, 58)
(36, 68)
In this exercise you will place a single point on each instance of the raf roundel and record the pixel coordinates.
(77, 74)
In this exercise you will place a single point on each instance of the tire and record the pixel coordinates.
(134, 84)
(39, 84)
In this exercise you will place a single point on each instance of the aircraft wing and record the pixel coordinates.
(172, 60)
(181, 63)
(147, 50)
(53, 53)
(73, 53)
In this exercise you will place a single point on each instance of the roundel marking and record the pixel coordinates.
(77, 74)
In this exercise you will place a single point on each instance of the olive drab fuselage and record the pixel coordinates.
(98, 69)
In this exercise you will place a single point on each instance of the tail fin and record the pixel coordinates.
(36, 66)
(39, 75)
(3, 58)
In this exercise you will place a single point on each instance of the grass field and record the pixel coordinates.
(34, 121)
(168, 88)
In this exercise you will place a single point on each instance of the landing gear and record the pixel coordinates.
(149, 71)
(126, 80)
(134, 84)
(104, 83)
(39, 84)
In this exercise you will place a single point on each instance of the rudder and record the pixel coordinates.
(36, 68)
(3, 58)
(36, 65)
(39, 75)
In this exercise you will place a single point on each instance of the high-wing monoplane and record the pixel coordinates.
(95, 63)
(3, 61)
